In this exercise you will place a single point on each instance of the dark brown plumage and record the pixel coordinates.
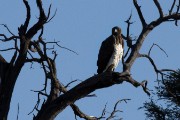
(107, 48)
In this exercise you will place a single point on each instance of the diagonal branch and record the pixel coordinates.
(42, 20)
(177, 11)
(138, 8)
(75, 108)
(28, 15)
(135, 51)
(172, 6)
(8, 29)
(2, 59)
(159, 8)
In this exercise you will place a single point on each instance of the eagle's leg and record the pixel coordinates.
(110, 68)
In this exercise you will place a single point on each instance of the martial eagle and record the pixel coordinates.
(111, 51)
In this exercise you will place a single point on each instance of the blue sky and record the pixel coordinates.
(81, 26)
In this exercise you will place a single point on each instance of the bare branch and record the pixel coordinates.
(158, 47)
(56, 42)
(8, 49)
(8, 39)
(17, 118)
(42, 20)
(46, 76)
(112, 115)
(170, 11)
(168, 70)
(129, 41)
(135, 51)
(151, 60)
(103, 113)
(48, 16)
(140, 13)
(40, 93)
(38, 60)
(159, 8)
(99, 81)
(154, 66)
(126, 53)
(36, 106)
(79, 113)
(70, 83)
(7, 29)
(42, 31)
(28, 16)
(166, 18)
(177, 11)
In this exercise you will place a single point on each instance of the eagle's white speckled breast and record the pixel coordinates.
(116, 56)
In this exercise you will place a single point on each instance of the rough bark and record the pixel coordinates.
(57, 102)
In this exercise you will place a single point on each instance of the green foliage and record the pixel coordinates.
(168, 93)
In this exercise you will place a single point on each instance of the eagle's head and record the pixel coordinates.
(116, 31)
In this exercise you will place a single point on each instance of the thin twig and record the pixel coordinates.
(56, 42)
(8, 29)
(112, 115)
(177, 11)
(71, 83)
(49, 12)
(17, 118)
(8, 39)
(158, 47)
(172, 6)
(8, 49)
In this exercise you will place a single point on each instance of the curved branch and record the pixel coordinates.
(154, 65)
(135, 51)
(112, 115)
(151, 60)
(28, 15)
(158, 47)
(8, 39)
(42, 20)
(159, 8)
(8, 29)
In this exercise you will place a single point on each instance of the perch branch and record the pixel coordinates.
(81, 90)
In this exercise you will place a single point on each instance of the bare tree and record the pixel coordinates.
(59, 98)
